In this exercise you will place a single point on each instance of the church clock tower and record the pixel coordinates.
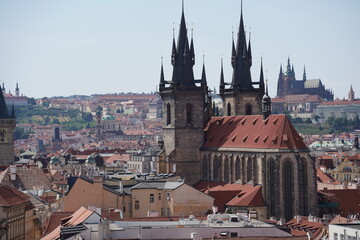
(186, 108)
(7, 127)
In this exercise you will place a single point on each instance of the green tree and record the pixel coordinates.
(31, 101)
(55, 121)
(330, 121)
(87, 117)
(317, 118)
(308, 121)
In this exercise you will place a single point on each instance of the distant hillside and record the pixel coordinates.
(70, 120)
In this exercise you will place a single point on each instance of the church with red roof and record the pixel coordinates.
(247, 145)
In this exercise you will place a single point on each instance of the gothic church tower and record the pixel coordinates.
(186, 109)
(241, 98)
(7, 127)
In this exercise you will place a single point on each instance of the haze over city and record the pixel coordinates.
(60, 48)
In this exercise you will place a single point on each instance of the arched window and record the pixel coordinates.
(237, 169)
(303, 193)
(226, 170)
(205, 168)
(288, 191)
(248, 109)
(216, 169)
(168, 114)
(347, 169)
(272, 188)
(249, 174)
(228, 109)
(188, 113)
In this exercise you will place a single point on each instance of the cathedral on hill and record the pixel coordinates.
(247, 145)
(288, 85)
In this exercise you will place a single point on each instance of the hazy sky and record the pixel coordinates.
(60, 48)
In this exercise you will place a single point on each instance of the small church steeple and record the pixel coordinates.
(304, 75)
(203, 74)
(17, 90)
(261, 75)
(162, 78)
(222, 81)
(351, 95)
(266, 102)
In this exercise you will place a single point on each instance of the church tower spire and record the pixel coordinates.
(186, 108)
(266, 101)
(304, 75)
(242, 96)
(351, 95)
(17, 90)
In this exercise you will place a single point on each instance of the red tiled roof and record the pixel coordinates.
(77, 217)
(340, 102)
(249, 196)
(252, 132)
(354, 157)
(55, 221)
(325, 178)
(9, 196)
(232, 194)
(348, 200)
(304, 226)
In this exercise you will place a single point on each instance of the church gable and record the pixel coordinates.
(252, 132)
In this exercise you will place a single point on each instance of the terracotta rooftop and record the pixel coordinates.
(75, 219)
(9, 196)
(348, 200)
(325, 178)
(252, 132)
(302, 227)
(249, 196)
(340, 102)
(232, 194)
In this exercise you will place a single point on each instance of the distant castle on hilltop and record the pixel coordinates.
(288, 85)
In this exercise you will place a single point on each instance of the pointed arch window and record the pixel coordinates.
(248, 109)
(288, 190)
(189, 109)
(229, 109)
(168, 114)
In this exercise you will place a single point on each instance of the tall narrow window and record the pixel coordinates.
(248, 109)
(272, 188)
(249, 174)
(168, 114)
(152, 198)
(288, 183)
(188, 113)
(137, 205)
(228, 109)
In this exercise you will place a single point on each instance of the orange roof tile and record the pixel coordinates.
(326, 178)
(304, 226)
(252, 132)
(10, 196)
(249, 196)
(77, 217)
